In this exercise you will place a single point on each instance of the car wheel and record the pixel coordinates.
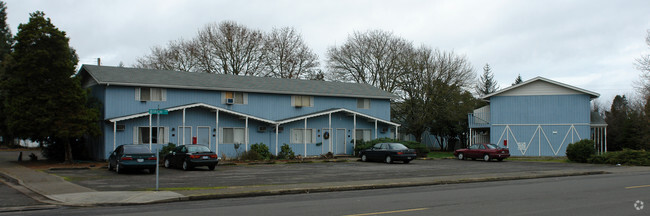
(186, 166)
(364, 158)
(461, 156)
(389, 159)
(486, 158)
(167, 163)
(407, 161)
(211, 167)
(500, 159)
(118, 169)
(110, 167)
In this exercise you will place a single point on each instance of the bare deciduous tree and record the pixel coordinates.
(178, 55)
(643, 64)
(372, 57)
(287, 55)
(231, 48)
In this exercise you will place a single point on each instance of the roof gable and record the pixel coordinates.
(106, 75)
(541, 86)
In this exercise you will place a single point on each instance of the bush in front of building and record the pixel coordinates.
(624, 157)
(286, 153)
(580, 151)
(261, 150)
(421, 149)
(165, 150)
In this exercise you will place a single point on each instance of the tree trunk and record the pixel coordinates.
(68, 150)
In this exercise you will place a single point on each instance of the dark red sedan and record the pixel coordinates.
(483, 150)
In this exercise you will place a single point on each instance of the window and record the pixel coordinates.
(299, 135)
(150, 94)
(159, 135)
(302, 101)
(363, 134)
(363, 103)
(237, 97)
(233, 135)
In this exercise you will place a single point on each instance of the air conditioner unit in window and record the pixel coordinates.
(261, 129)
(384, 130)
(280, 129)
(120, 127)
(230, 100)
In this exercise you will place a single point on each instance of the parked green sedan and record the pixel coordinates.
(388, 152)
(132, 157)
(190, 156)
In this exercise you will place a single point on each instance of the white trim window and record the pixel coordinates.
(302, 101)
(150, 94)
(141, 135)
(363, 134)
(235, 97)
(363, 103)
(232, 135)
(298, 135)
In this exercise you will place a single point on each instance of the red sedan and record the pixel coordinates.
(483, 150)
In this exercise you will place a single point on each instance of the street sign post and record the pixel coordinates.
(157, 112)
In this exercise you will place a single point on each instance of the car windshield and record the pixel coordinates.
(492, 146)
(136, 150)
(397, 146)
(198, 149)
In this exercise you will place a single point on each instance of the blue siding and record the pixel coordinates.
(540, 109)
(204, 117)
(539, 125)
(120, 101)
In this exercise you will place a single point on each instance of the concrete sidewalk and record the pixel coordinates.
(55, 190)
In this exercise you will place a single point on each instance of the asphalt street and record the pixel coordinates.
(609, 194)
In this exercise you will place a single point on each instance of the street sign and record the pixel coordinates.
(158, 111)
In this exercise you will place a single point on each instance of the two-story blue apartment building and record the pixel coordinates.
(220, 111)
(539, 117)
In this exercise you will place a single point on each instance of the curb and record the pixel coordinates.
(383, 186)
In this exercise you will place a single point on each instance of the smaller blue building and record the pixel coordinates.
(538, 117)
(229, 113)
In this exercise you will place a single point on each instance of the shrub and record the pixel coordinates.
(262, 150)
(165, 150)
(250, 155)
(624, 157)
(580, 151)
(286, 152)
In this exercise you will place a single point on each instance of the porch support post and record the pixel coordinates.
(216, 148)
(605, 139)
(375, 128)
(396, 132)
(304, 138)
(354, 132)
(114, 131)
(150, 134)
(330, 131)
(183, 137)
(276, 139)
(470, 138)
(246, 134)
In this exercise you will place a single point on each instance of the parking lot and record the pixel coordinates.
(273, 174)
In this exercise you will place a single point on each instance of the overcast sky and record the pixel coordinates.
(589, 44)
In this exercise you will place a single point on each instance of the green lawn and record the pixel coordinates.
(540, 159)
(438, 154)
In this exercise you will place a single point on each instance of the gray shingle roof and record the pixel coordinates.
(188, 80)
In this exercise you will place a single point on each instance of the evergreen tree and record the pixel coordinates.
(6, 39)
(518, 80)
(486, 84)
(44, 102)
